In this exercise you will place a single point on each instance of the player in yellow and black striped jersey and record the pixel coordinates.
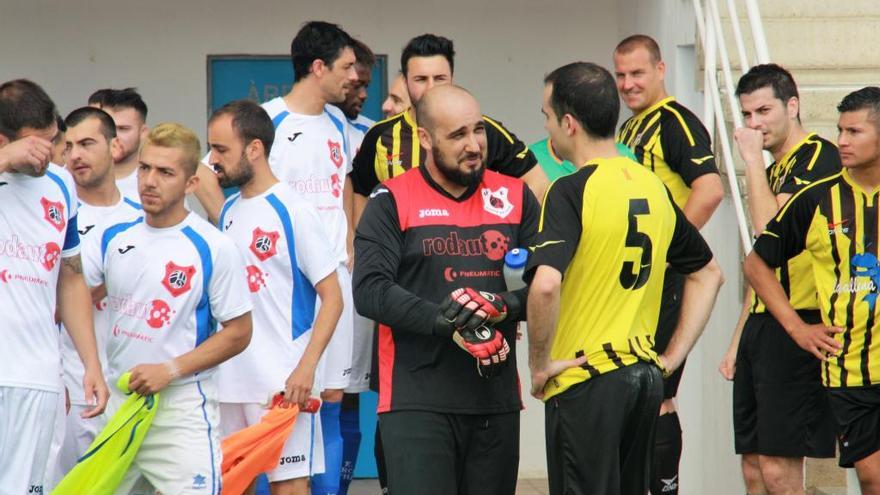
(670, 140)
(780, 413)
(836, 221)
(391, 146)
(605, 236)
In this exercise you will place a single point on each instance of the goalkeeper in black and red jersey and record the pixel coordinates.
(429, 253)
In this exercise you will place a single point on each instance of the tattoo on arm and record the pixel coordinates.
(73, 263)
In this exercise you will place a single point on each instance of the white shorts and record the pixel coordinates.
(27, 422)
(336, 361)
(303, 452)
(72, 438)
(181, 451)
(361, 355)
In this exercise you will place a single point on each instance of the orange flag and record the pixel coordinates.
(256, 449)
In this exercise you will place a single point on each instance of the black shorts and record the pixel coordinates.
(780, 407)
(670, 310)
(600, 433)
(857, 413)
(431, 453)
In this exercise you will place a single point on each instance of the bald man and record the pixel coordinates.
(428, 267)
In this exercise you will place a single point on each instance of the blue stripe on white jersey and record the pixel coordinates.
(221, 223)
(112, 232)
(63, 187)
(133, 204)
(205, 323)
(341, 128)
(302, 306)
(276, 120)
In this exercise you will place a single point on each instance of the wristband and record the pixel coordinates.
(172, 368)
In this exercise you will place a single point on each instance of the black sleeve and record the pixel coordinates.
(378, 247)
(559, 228)
(817, 161)
(688, 251)
(786, 235)
(687, 147)
(363, 167)
(528, 229)
(506, 154)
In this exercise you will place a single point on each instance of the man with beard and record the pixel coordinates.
(309, 153)
(429, 254)
(90, 137)
(40, 272)
(392, 146)
(288, 266)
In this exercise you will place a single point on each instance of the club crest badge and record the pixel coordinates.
(178, 279)
(496, 202)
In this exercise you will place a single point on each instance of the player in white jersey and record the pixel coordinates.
(39, 261)
(169, 277)
(362, 338)
(288, 267)
(309, 153)
(129, 112)
(89, 138)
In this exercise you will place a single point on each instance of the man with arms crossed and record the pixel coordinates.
(835, 220)
(169, 277)
(611, 226)
(90, 138)
(310, 154)
(780, 413)
(288, 267)
(40, 268)
(670, 140)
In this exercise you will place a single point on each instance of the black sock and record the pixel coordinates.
(667, 453)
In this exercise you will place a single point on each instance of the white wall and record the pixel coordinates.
(504, 47)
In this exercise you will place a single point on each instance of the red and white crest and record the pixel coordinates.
(53, 212)
(178, 279)
(263, 244)
(50, 256)
(496, 202)
(335, 153)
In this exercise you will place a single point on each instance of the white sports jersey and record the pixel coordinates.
(285, 249)
(357, 129)
(91, 222)
(37, 228)
(166, 289)
(128, 186)
(309, 153)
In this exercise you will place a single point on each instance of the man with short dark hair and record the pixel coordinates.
(835, 220)
(428, 268)
(611, 226)
(129, 113)
(392, 146)
(671, 141)
(90, 140)
(40, 269)
(310, 153)
(288, 270)
(780, 413)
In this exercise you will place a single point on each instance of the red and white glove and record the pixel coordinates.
(487, 345)
(470, 308)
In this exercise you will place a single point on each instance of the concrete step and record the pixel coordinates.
(806, 8)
